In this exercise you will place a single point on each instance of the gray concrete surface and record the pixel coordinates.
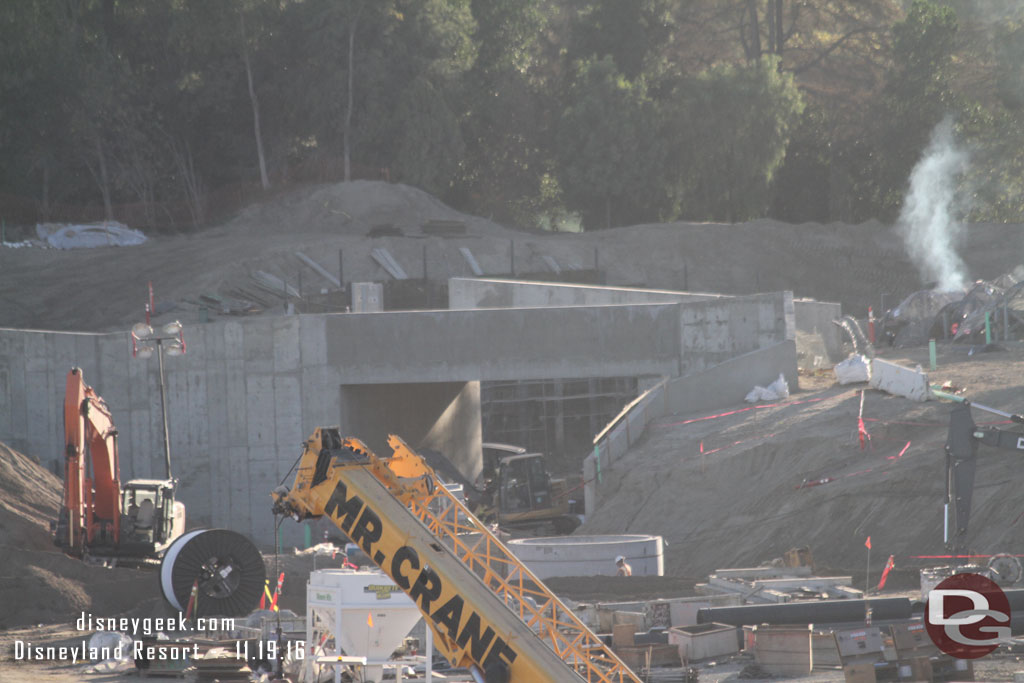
(590, 555)
(250, 390)
(469, 293)
(819, 343)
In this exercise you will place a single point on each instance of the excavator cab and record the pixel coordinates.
(150, 515)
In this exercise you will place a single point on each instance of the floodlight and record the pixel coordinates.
(175, 348)
(145, 351)
(172, 329)
(142, 331)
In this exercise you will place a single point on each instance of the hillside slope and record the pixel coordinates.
(742, 502)
(105, 289)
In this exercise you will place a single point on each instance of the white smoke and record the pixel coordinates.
(927, 222)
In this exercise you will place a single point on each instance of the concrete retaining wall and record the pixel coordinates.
(250, 390)
(817, 337)
(240, 404)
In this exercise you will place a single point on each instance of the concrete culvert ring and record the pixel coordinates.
(225, 565)
(590, 555)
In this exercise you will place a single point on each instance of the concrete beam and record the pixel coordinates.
(449, 346)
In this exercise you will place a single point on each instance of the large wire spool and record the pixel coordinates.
(1005, 569)
(226, 567)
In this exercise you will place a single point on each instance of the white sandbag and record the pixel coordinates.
(854, 369)
(773, 392)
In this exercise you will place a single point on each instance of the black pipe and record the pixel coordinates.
(814, 612)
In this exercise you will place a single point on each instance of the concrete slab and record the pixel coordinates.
(900, 381)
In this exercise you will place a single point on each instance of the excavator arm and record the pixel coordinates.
(961, 463)
(91, 510)
(486, 610)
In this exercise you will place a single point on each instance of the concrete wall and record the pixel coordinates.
(713, 328)
(818, 341)
(725, 384)
(521, 343)
(816, 335)
(240, 404)
(250, 390)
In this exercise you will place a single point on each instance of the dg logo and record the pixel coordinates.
(967, 616)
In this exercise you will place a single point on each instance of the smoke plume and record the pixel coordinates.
(927, 222)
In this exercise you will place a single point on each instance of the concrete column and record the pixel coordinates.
(442, 416)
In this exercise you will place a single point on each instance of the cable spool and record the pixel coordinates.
(1005, 569)
(227, 566)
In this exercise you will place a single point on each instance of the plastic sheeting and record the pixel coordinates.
(773, 392)
(854, 369)
(89, 236)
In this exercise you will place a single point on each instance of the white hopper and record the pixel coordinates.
(345, 603)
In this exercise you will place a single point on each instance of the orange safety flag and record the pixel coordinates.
(867, 543)
(885, 572)
(277, 592)
(369, 619)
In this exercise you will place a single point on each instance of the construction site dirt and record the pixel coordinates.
(734, 487)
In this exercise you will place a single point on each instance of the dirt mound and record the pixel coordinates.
(851, 264)
(38, 583)
(753, 494)
(354, 208)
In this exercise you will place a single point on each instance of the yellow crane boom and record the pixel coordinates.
(488, 612)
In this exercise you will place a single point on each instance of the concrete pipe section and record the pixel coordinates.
(590, 555)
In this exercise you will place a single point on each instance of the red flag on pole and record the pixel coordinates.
(277, 592)
(192, 599)
(862, 431)
(867, 543)
(885, 572)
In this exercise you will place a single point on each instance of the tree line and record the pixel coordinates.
(538, 113)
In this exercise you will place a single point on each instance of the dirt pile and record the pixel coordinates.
(355, 208)
(38, 583)
(754, 492)
(103, 289)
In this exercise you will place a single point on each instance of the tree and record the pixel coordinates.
(608, 150)
(631, 32)
(728, 135)
(917, 96)
(430, 145)
(506, 104)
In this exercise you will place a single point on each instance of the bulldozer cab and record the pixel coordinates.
(524, 483)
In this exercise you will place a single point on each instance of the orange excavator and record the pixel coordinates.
(100, 518)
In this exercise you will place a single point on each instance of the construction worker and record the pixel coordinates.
(623, 569)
